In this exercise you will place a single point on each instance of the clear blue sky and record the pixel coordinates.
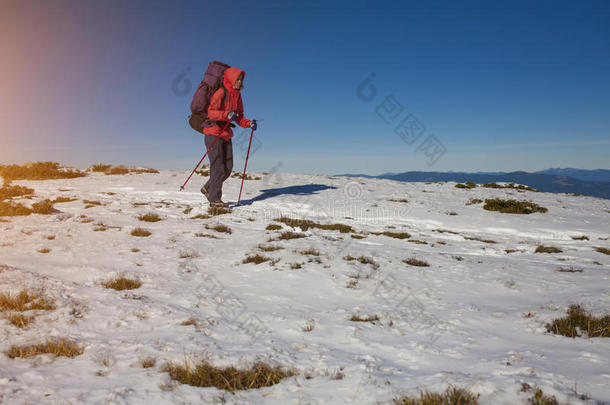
(502, 85)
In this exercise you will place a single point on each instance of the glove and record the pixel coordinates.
(231, 115)
(253, 125)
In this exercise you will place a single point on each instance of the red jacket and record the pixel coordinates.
(218, 110)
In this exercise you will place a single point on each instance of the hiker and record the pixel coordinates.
(223, 108)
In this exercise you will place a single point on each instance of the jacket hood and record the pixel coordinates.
(231, 75)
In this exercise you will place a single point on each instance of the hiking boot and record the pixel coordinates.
(219, 204)
(204, 191)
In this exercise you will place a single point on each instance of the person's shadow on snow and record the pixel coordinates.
(303, 190)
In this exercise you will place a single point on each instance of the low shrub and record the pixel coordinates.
(547, 249)
(512, 206)
(468, 184)
(38, 171)
(140, 232)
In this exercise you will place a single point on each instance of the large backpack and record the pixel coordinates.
(212, 81)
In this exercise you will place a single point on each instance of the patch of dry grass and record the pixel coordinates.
(356, 236)
(273, 227)
(58, 347)
(219, 228)
(363, 260)
(150, 217)
(256, 259)
(116, 170)
(416, 262)
(478, 239)
(452, 396)
(202, 216)
(310, 252)
(206, 235)
(121, 283)
(20, 320)
(25, 301)
(205, 374)
(370, 318)
(547, 249)
(214, 211)
(580, 237)
(602, 250)
(140, 232)
(305, 224)
(38, 171)
(269, 248)
(8, 191)
(148, 362)
(44, 250)
(395, 235)
(291, 235)
(578, 322)
(100, 168)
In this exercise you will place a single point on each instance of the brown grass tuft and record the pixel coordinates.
(219, 228)
(20, 320)
(205, 374)
(58, 347)
(395, 235)
(148, 362)
(140, 232)
(8, 191)
(38, 171)
(305, 224)
(44, 250)
(603, 250)
(370, 318)
(309, 252)
(273, 227)
(256, 259)
(578, 321)
(214, 211)
(269, 248)
(416, 262)
(25, 301)
(151, 217)
(547, 249)
(116, 170)
(363, 260)
(291, 235)
(121, 283)
(100, 168)
(452, 396)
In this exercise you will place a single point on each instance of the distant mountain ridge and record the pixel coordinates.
(545, 180)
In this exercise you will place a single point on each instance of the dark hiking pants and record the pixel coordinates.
(221, 165)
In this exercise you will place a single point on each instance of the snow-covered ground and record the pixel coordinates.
(463, 320)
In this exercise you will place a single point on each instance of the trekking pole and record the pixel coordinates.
(206, 153)
(243, 177)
